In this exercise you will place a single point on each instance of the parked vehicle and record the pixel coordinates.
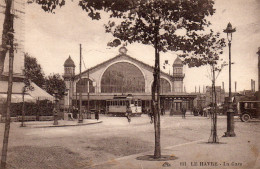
(247, 110)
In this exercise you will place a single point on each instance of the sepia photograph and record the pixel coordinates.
(129, 84)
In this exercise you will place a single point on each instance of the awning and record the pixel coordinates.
(30, 96)
(17, 98)
(40, 94)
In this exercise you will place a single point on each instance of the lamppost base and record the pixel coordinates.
(229, 134)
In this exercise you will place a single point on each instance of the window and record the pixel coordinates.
(82, 86)
(139, 103)
(246, 105)
(165, 86)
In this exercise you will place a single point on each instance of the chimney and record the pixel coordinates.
(223, 86)
(184, 89)
(252, 85)
(195, 89)
(199, 89)
(235, 86)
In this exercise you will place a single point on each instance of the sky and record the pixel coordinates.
(51, 38)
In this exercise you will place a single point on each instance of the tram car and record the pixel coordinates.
(118, 106)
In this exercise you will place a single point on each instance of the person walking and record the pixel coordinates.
(150, 114)
(128, 113)
(183, 112)
(162, 111)
(97, 114)
(74, 112)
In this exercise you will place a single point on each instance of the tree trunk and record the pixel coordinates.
(6, 28)
(258, 96)
(9, 95)
(214, 113)
(213, 135)
(156, 101)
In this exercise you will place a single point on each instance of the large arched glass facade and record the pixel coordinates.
(82, 86)
(123, 77)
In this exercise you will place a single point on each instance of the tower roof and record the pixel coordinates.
(69, 63)
(177, 61)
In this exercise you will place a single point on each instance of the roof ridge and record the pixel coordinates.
(120, 55)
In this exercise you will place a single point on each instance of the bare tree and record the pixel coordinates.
(155, 23)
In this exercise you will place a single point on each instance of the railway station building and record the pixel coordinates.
(125, 75)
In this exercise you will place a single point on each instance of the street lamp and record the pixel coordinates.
(230, 113)
(80, 120)
(258, 96)
(55, 110)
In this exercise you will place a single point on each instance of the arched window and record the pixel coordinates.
(123, 77)
(82, 86)
(165, 86)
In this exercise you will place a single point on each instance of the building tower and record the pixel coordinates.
(18, 9)
(69, 73)
(178, 75)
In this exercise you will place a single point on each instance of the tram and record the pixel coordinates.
(118, 105)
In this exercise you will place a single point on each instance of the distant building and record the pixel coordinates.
(220, 95)
(123, 75)
(200, 101)
(247, 93)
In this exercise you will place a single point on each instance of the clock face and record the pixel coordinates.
(122, 50)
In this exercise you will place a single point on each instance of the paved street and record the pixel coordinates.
(115, 143)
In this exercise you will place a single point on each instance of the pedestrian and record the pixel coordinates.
(70, 116)
(162, 111)
(206, 112)
(97, 114)
(128, 113)
(201, 111)
(210, 111)
(150, 114)
(171, 112)
(75, 112)
(183, 112)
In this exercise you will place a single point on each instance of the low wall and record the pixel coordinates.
(27, 118)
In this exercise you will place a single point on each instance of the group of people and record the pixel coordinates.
(74, 112)
(183, 111)
(206, 112)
